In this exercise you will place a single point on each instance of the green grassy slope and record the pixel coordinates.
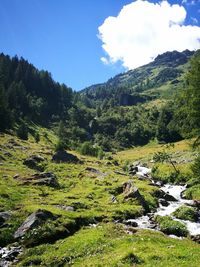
(72, 239)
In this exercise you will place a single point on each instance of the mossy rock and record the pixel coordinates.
(171, 227)
(186, 213)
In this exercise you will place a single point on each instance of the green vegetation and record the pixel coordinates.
(186, 213)
(89, 149)
(69, 239)
(171, 227)
(110, 245)
(89, 199)
(99, 114)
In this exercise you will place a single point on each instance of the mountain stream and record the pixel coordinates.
(145, 222)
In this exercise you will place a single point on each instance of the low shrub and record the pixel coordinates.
(87, 148)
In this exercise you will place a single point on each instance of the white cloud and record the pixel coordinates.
(105, 60)
(142, 30)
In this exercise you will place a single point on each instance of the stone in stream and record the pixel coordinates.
(161, 194)
(130, 223)
(164, 202)
(196, 203)
(34, 220)
(9, 254)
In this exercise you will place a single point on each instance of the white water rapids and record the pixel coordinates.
(175, 191)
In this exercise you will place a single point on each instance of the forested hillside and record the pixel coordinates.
(31, 94)
(159, 79)
(129, 110)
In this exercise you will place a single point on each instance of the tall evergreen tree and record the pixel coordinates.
(188, 110)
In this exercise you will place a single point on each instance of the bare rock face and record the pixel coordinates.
(63, 156)
(36, 219)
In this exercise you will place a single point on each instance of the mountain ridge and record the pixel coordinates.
(167, 69)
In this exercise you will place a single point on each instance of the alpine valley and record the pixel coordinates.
(107, 176)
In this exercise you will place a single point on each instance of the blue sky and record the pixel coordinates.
(62, 36)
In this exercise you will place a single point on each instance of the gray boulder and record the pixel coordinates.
(36, 219)
(197, 204)
(66, 208)
(127, 186)
(63, 156)
(44, 178)
(131, 191)
(96, 172)
(4, 216)
(33, 161)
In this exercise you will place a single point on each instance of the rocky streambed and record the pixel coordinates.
(167, 208)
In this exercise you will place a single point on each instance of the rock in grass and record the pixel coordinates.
(127, 187)
(2, 158)
(36, 219)
(4, 216)
(66, 208)
(63, 156)
(131, 191)
(196, 238)
(44, 178)
(33, 161)
(96, 172)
